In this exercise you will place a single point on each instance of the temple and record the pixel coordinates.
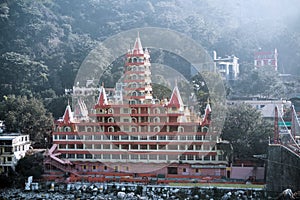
(134, 136)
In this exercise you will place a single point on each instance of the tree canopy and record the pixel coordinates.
(264, 82)
(28, 116)
(247, 131)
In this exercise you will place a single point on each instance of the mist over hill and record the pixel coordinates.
(43, 43)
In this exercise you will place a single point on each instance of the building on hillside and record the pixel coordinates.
(228, 66)
(266, 58)
(13, 147)
(136, 135)
(265, 106)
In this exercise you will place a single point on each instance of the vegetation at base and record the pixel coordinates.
(30, 165)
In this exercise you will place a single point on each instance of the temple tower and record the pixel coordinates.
(138, 89)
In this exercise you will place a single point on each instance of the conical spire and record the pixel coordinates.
(102, 99)
(206, 119)
(137, 48)
(68, 115)
(175, 100)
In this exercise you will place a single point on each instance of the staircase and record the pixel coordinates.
(63, 167)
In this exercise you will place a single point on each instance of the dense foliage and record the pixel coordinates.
(43, 43)
(247, 131)
(30, 165)
(27, 116)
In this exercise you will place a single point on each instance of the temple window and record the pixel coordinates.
(180, 129)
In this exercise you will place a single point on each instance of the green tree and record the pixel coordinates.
(30, 165)
(160, 91)
(28, 116)
(247, 131)
(263, 82)
(22, 75)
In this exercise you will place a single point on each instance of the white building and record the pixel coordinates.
(13, 147)
(266, 107)
(228, 66)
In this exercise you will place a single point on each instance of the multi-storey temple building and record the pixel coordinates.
(135, 134)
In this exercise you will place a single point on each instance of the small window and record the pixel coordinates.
(79, 156)
(115, 137)
(124, 137)
(156, 120)
(105, 167)
(97, 156)
(190, 157)
(143, 137)
(71, 137)
(162, 157)
(183, 169)
(67, 129)
(143, 156)
(111, 129)
(152, 157)
(206, 158)
(97, 137)
(162, 137)
(111, 119)
(198, 137)
(180, 129)
(156, 129)
(88, 156)
(71, 155)
(152, 137)
(182, 157)
(198, 157)
(132, 137)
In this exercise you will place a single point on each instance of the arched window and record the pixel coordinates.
(156, 129)
(205, 129)
(133, 120)
(180, 129)
(156, 120)
(132, 102)
(134, 77)
(156, 111)
(89, 129)
(134, 93)
(133, 111)
(67, 129)
(111, 129)
(133, 129)
(134, 60)
(110, 111)
(111, 119)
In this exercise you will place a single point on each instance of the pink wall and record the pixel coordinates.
(245, 172)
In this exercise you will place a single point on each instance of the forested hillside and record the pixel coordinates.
(43, 43)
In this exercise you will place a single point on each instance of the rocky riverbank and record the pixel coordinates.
(130, 191)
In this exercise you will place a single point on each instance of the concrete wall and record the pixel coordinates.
(283, 169)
